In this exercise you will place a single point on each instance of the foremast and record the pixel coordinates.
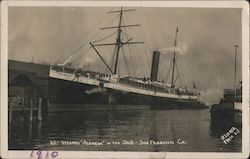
(119, 43)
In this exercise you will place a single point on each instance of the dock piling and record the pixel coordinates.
(40, 118)
(22, 116)
(31, 110)
(10, 112)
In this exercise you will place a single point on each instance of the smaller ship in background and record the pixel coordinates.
(230, 106)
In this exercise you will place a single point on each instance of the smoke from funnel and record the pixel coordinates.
(180, 48)
(96, 90)
(88, 60)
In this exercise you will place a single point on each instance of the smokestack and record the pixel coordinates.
(154, 66)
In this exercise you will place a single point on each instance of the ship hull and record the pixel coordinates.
(68, 92)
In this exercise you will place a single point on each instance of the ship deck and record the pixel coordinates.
(150, 89)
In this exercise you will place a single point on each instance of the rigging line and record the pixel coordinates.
(79, 48)
(99, 70)
(67, 60)
(113, 57)
(115, 50)
(107, 23)
(141, 31)
(112, 20)
(104, 16)
(129, 49)
(129, 67)
(114, 54)
(73, 52)
(179, 74)
(71, 56)
(125, 29)
(169, 70)
(125, 62)
(130, 56)
(88, 32)
(81, 65)
(176, 78)
(132, 59)
(122, 48)
(124, 23)
(125, 33)
(104, 38)
(147, 58)
(135, 55)
(103, 60)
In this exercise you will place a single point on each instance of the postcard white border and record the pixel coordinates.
(5, 153)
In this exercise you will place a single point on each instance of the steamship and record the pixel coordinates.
(71, 85)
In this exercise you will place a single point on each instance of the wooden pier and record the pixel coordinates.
(31, 111)
(27, 91)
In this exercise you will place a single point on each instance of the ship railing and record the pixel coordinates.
(107, 77)
(82, 73)
(156, 88)
(68, 70)
(63, 69)
(150, 87)
(56, 68)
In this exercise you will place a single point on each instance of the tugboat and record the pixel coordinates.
(71, 85)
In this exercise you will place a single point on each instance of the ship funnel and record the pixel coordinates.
(154, 66)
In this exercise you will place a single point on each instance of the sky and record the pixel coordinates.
(204, 52)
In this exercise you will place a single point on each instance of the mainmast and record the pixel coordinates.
(175, 43)
(119, 43)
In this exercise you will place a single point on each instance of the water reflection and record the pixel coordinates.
(30, 131)
(220, 126)
(193, 127)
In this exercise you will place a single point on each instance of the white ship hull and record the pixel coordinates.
(125, 88)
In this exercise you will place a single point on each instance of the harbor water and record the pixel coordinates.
(126, 130)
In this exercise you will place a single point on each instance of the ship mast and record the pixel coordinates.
(119, 43)
(235, 56)
(175, 43)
